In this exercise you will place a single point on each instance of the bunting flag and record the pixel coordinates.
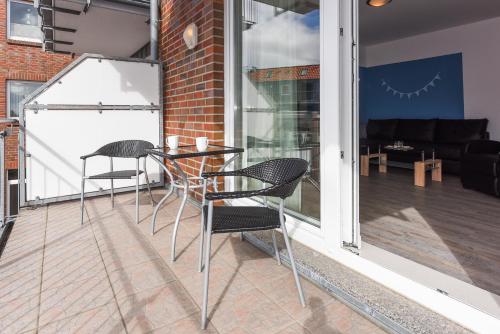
(389, 89)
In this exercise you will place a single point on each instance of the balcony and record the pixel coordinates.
(112, 276)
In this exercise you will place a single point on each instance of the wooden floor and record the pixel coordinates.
(445, 227)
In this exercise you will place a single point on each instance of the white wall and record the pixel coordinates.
(480, 45)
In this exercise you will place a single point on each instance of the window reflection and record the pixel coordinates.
(24, 22)
(278, 46)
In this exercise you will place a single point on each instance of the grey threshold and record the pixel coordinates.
(389, 310)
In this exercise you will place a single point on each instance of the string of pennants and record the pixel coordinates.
(417, 93)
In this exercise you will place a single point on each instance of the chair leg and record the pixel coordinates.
(112, 194)
(82, 196)
(290, 254)
(202, 227)
(204, 310)
(137, 191)
(276, 250)
(147, 182)
(112, 184)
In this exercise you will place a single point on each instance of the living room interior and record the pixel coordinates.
(429, 125)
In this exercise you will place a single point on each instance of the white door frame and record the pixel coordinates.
(324, 237)
(337, 175)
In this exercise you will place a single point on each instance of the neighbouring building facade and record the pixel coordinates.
(24, 66)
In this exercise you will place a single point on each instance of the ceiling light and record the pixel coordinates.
(377, 3)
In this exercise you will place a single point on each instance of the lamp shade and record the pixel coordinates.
(191, 36)
(377, 3)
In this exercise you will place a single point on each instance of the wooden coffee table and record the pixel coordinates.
(365, 163)
(434, 165)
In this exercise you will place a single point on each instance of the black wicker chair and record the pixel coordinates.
(282, 176)
(121, 149)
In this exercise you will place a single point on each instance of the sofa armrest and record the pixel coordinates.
(483, 147)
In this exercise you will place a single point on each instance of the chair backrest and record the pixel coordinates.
(284, 174)
(125, 149)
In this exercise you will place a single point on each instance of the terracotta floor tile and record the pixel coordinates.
(63, 271)
(334, 317)
(111, 273)
(103, 319)
(294, 329)
(19, 284)
(134, 279)
(262, 269)
(25, 262)
(65, 301)
(252, 311)
(156, 308)
(283, 291)
(224, 285)
(123, 257)
(19, 315)
(189, 325)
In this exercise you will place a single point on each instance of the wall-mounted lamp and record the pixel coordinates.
(377, 3)
(191, 36)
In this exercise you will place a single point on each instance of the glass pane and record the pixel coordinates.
(18, 90)
(277, 90)
(24, 21)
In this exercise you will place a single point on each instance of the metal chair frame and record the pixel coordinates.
(283, 175)
(122, 149)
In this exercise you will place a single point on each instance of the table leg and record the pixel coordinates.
(382, 167)
(162, 201)
(202, 227)
(437, 172)
(181, 209)
(420, 174)
(365, 165)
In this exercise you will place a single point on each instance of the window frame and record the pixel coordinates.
(8, 85)
(20, 38)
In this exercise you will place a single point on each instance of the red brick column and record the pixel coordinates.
(193, 79)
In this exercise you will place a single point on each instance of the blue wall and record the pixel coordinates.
(426, 88)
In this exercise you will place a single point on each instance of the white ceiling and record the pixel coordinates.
(404, 18)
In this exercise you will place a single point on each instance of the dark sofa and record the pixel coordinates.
(446, 137)
(481, 167)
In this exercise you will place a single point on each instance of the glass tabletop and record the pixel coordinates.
(190, 151)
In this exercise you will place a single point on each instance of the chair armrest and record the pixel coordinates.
(483, 147)
(214, 196)
(206, 175)
(83, 157)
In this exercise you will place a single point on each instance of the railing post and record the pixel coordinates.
(3, 134)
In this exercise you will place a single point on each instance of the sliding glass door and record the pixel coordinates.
(277, 91)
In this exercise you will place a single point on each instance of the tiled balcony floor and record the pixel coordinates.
(112, 276)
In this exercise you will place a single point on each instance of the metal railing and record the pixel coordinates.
(4, 219)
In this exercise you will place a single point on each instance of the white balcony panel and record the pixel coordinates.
(67, 123)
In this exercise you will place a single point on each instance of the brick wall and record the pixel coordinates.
(193, 79)
(22, 61)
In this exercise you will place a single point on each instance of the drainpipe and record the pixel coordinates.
(153, 18)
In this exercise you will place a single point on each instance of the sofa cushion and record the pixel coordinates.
(460, 130)
(417, 130)
(383, 129)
